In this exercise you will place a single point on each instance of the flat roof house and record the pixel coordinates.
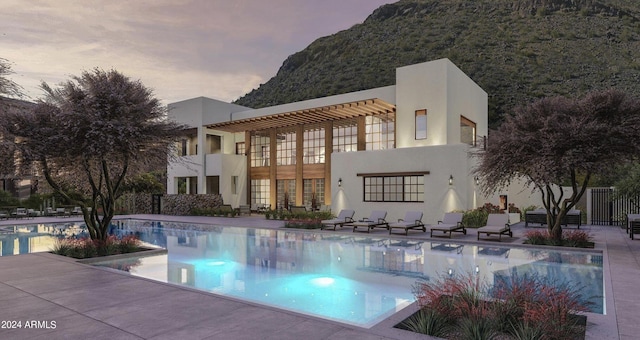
(394, 148)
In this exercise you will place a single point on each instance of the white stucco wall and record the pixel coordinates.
(446, 93)
(441, 161)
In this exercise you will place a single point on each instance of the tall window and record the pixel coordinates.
(286, 148)
(260, 191)
(467, 131)
(240, 148)
(260, 149)
(345, 135)
(286, 188)
(380, 131)
(214, 144)
(421, 124)
(213, 184)
(394, 188)
(313, 144)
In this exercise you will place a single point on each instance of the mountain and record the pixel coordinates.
(516, 50)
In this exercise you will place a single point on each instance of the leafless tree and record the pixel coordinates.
(560, 141)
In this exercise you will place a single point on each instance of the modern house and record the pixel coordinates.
(394, 148)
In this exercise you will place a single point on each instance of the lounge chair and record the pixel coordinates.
(375, 220)
(411, 220)
(20, 213)
(497, 224)
(344, 217)
(451, 222)
(62, 212)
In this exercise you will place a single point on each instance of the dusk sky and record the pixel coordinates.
(180, 48)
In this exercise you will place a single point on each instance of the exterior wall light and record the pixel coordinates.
(450, 179)
(477, 180)
(340, 182)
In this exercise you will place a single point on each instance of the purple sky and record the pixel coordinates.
(180, 48)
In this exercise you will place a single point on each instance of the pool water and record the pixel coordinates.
(347, 278)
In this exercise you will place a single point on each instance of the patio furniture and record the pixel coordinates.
(497, 224)
(375, 220)
(76, 211)
(20, 213)
(411, 220)
(245, 210)
(62, 212)
(539, 216)
(451, 222)
(344, 217)
(298, 209)
(633, 224)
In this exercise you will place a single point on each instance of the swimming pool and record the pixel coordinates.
(342, 277)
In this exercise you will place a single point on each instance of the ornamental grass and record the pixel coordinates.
(516, 307)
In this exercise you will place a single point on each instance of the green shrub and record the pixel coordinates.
(475, 218)
(427, 322)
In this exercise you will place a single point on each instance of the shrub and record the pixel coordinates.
(570, 238)
(87, 248)
(475, 218)
(525, 307)
(427, 322)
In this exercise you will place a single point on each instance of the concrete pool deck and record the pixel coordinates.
(97, 303)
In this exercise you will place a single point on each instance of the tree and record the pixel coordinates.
(88, 135)
(7, 86)
(559, 140)
(628, 186)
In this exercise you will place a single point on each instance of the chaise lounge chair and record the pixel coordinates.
(411, 220)
(451, 222)
(344, 217)
(375, 220)
(497, 224)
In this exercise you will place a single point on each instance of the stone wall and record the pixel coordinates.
(171, 204)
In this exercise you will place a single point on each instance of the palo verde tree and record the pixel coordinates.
(560, 141)
(88, 135)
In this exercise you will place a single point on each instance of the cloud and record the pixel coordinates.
(181, 48)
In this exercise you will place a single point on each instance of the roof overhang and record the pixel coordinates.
(367, 107)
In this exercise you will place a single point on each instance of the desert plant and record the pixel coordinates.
(476, 329)
(525, 331)
(537, 237)
(577, 238)
(427, 322)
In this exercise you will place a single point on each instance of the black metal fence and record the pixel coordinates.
(607, 210)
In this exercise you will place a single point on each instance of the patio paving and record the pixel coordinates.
(90, 302)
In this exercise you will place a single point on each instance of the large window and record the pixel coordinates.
(313, 192)
(260, 149)
(421, 124)
(345, 135)
(285, 193)
(380, 131)
(313, 144)
(408, 188)
(260, 191)
(213, 184)
(286, 148)
(467, 131)
(240, 148)
(214, 144)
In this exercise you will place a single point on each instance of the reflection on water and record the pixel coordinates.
(34, 238)
(258, 264)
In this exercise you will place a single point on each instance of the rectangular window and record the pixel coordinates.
(394, 188)
(213, 184)
(313, 145)
(286, 148)
(345, 135)
(240, 148)
(467, 131)
(421, 124)
(234, 185)
(214, 144)
(260, 143)
(380, 131)
(260, 191)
